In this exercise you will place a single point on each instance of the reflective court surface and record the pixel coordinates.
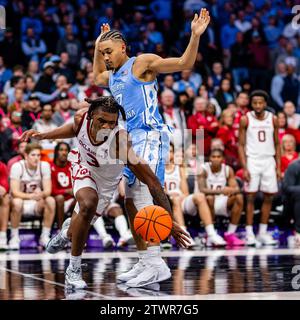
(264, 273)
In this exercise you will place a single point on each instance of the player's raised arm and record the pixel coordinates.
(157, 64)
(242, 146)
(99, 67)
(143, 172)
(63, 132)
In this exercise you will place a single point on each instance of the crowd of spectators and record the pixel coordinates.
(46, 55)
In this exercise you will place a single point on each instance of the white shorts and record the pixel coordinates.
(262, 176)
(83, 178)
(188, 206)
(30, 208)
(220, 205)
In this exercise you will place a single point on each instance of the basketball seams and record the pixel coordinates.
(155, 222)
(140, 218)
(146, 235)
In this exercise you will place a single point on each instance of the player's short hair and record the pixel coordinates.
(106, 104)
(113, 35)
(32, 146)
(259, 93)
(217, 150)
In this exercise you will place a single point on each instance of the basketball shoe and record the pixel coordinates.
(215, 241)
(58, 242)
(133, 273)
(266, 239)
(108, 242)
(73, 278)
(127, 239)
(153, 273)
(14, 243)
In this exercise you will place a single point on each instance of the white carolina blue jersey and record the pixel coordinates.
(149, 134)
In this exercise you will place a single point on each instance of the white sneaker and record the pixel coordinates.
(108, 242)
(58, 242)
(14, 243)
(133, 273)
(215, 241)
(151, 274)
(266, 239)
(127, 239)
(44, 241)
(3, 243)
(251, 240)
(73, 278)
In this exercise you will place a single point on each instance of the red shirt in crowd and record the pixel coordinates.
(207, 122)
(227, 135)
(4, 176)
(285, 161)
(294, 132)
(61, 180)
(237, 118)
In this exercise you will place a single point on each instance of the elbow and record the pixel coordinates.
(186, 65)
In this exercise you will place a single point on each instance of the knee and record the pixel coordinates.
(239, 199)
(250, 198)
(49, 201)
(5, 200)
(17, 204)
(268, 198)
(115, 212)
(59, 199)
(199, 197)
(88, 207)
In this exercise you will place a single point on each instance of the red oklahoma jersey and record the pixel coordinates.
(61, 180)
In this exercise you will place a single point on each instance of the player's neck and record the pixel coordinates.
(261, 115)
(126, 58)
(170, 166)
(30, 166)
(215, 169)
(60, 163)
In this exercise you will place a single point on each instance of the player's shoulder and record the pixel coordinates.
(146, 58)
(17, 165)
(80, 113)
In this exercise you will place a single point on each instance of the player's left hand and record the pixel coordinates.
(200, 23)
(182, 237)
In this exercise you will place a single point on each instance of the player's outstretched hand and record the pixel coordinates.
(104, 28)
(200, 23)
(31, 134)
(182, 237)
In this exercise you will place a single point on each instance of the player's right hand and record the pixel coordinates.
(182, 237)
(31, 134)
(36, 196)
(104, 28)
(227, 191)
(246, 175)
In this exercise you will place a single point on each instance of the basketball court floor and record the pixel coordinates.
(248, 273)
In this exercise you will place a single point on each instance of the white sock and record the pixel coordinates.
(249, 230)
(45, 231)
(75, 262)
(121, 225)
(232, 228)
(262, 228)
(153, 255)
(100, 228)
(2, 234)
(14, 232)
(210, 230)
(142, 254)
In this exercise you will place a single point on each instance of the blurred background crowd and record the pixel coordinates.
(46, 55)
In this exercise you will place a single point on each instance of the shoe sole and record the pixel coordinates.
(148, 283)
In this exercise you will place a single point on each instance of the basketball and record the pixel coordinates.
(153, 223)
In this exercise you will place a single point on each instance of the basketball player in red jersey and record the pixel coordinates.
(259, 152)
(97, 166)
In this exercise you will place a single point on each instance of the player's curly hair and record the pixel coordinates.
(115, 35)
(106, 104)
(259, 93)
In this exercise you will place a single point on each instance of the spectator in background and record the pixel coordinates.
(226, 133)
(17, 82)
(33, 70)
(256, 28)
(225, 94)
(4, 205)
(217, 75)
(290, 90)
(173, 117)
(293, 118)
(288, 154)
(18, 103)
(33, 46)
(242, 102)
(184, 82)
(153, 35)
(31, 21)
(283, 128)
(71, 45)
(239, 59)
(61, 183)
(241, 24)
(277, 84)
(272, 31)
(50, 31)
(63, 110)
(200, 120)
(79, 88)
(30, 184)
(64, 67)
(32, 113)
(45, 83)
(20, 155)
(5, 74)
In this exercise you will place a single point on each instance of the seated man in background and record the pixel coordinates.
(30, 185)
(217, 181)
(61, 183)
(20, 156)
(4, 205)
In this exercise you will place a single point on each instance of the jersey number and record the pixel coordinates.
(119, 99)
(261, 136)
(94, 162)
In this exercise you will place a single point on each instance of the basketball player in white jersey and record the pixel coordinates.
(217, 181)
(30, 185)
(176, 187)
(259, 152)
(97, 168)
